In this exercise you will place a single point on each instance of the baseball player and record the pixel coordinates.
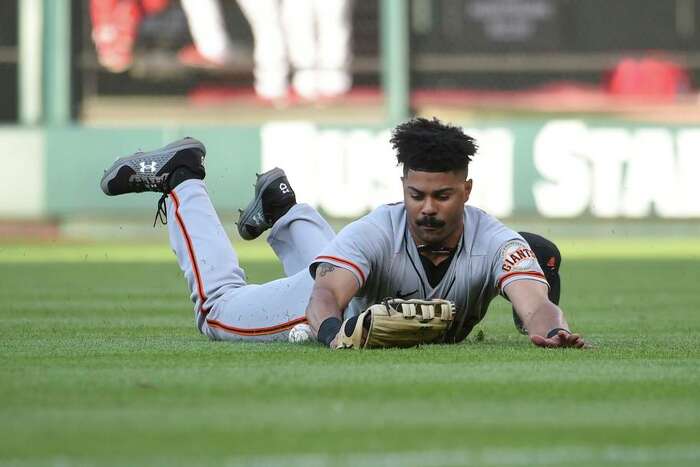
(435, 246)
(480, 258)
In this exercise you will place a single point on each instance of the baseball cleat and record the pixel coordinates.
(273, 198)
(149, 171)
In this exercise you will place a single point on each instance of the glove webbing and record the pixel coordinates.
(424, 311)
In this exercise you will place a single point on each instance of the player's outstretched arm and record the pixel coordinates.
(544, 320)
(333, 289)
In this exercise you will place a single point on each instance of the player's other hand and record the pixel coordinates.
(562, 339)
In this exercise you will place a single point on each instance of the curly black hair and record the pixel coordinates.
(432, 146)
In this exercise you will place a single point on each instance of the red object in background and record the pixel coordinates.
(648, 77)
(115, 24)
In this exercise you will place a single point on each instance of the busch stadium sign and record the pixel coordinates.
(556, 169)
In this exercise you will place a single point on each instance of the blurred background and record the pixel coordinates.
(584, 110)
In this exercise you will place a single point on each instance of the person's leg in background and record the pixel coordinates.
(334, 56)
(270, 53)
(114, 27)
(298, 20)
(212, 44)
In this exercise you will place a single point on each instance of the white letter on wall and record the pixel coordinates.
(557, 152)
(492, 171)
(608, 149)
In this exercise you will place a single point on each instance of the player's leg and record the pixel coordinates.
(229, 309)
(196, 236)
(549, 258)
(299, 237)
(225, 306)
(298, 232)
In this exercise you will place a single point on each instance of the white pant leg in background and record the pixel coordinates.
(299, 23)
(226, 308)
(208, 28)
(270, 53)
(334, 53)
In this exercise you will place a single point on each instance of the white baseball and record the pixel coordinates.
(300, 333)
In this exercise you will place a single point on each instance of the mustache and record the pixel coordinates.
(429, 221)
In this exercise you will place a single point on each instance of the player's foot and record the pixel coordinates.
(273, 198)
(519, 325)
(159, 170)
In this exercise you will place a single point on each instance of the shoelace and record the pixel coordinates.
(162, 211)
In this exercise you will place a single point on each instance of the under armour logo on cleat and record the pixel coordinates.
(284, 188)
(144, 166)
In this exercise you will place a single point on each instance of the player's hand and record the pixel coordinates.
(562, 339)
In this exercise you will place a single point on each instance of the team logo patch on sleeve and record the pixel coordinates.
(517, 256)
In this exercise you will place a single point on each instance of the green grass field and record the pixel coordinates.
(100, 364)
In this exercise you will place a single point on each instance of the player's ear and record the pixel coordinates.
(467, 189)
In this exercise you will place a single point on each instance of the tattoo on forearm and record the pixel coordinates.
(324, 268)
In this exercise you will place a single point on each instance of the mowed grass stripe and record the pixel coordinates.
(680, 455)
(573, 248)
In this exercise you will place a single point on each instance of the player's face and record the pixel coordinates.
(435, 205)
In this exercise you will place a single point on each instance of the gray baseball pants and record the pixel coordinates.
(226, 307)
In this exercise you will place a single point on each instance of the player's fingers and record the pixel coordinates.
(539, 341)
(564, 338)
(574, 340)
(569, 340)
(553, 343)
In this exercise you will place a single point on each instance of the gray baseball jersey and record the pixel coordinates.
(380, 252)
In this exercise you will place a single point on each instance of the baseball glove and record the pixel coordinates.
(397, 323)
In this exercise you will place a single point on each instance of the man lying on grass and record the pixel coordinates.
(430, 246)
(435, 246)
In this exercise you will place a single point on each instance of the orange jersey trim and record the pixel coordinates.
(190, 251)
(345, 261)
(539, 275)
(256, 331)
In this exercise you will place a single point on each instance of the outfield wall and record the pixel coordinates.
(549, 169)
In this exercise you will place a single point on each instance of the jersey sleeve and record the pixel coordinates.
(515, 261)
(357, 248)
